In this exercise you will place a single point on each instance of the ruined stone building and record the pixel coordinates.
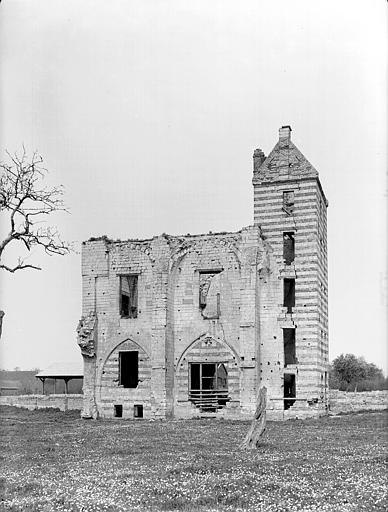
(188, 326)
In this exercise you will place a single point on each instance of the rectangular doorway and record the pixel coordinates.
(129, 369)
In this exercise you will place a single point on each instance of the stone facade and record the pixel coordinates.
(188, 326)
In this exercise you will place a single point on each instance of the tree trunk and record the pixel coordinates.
(257, 429)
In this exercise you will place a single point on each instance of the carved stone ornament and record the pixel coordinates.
(86, 333)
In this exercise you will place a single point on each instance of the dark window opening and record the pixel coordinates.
(195, 376)
(288, 200)
(289, 294)
(138, 411)
(129, 369)
(128, 296)
(289, 346)
(289, 390)
(288, 248)
(118, 411)
(208, 386)
(209, 294)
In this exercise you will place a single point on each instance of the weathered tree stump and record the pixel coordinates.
(257, 428)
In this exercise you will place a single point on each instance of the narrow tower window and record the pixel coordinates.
(288, 248)
(129, 369)
(288, 200)
(128, 296)
(289, 346)
(289, 294)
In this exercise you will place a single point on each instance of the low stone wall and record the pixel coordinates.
(340, 401)
(345, 401)
(31, 402)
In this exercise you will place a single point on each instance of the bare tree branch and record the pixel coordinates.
(19, 267)
(26, 203)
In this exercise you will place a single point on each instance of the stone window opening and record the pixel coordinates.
(138, 411)
(208, 386)
(129, 369)
(289, 294)
(289, 347)
(288, 247)
(210, 294)
(118, 411)
(128, 296)
(288, 201)
(289, 390)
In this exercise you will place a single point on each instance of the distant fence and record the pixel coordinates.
(62, 402)
(345, 401)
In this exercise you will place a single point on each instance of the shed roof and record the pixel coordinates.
(58, 370)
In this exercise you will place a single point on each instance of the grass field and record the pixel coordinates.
(53, 461)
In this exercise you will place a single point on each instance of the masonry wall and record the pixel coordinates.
(171, 324)
(235, 257)
(306, 219)
(216, 298)
(340, 401)
(32, 402)
(103, 264)
(346, 402)
(309, 316)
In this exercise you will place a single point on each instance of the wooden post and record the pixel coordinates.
(257, 428)
(42, 379)
(55, 386)
(66, 382)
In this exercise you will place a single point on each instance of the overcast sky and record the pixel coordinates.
(148, 113)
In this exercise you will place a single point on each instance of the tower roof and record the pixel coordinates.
(285, 162)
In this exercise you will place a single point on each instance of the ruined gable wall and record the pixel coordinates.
(95, 266)
(190, 321)
(170, 318)
(103, 262)
(236, 255)
(210, 252)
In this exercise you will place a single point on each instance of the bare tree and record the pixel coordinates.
(24, 205)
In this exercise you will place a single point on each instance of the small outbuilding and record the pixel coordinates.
(61, 371)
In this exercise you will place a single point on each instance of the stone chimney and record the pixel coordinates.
(285, 133)
(258, 159)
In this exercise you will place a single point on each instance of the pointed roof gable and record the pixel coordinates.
(285, 162)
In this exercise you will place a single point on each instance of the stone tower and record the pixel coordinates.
(290, 207)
